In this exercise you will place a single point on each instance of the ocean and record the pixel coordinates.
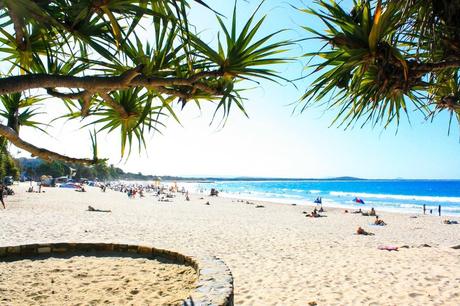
(407, 196)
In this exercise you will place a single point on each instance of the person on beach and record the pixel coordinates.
(370, 213)
(379, 222)
(314, 214)
(80, 189)
(361, 231)
(424, 208)
(2, 189)
(90, 208)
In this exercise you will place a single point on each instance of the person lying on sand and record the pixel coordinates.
(314, 214)
(450, 222)
(359, 211)
(361, 231)
(379, 221)
(90, 208)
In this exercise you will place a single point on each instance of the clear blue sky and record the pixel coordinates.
(273, 142)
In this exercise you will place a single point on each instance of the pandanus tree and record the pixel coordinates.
(121, 65)
(381, 56)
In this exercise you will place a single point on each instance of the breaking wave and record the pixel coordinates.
(396, 197)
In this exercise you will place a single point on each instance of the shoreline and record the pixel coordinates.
(306, 203)
(331, 207)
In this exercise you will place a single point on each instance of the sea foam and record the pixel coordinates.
(396, 197)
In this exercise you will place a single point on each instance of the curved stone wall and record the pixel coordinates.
(215, 282)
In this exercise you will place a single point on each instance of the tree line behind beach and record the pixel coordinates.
(33, 168)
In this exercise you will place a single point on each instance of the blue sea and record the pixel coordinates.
(407, 196)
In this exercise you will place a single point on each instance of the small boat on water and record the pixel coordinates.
(318, 201)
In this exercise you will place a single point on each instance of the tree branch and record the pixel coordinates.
(86, 104)
(44, 154)
(172, 92)
(18, 24)
(130, 78)
(427, 67)
(130, 74)
(70, 95)
(114, 105)
(84, 95)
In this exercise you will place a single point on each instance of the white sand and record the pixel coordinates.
(277, 256)
(93, 280)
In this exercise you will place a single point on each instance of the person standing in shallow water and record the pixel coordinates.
(2, 188)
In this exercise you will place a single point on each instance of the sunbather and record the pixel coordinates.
(90, 208)
(361, 231)
(372, 212)
(314, 214)
(379, 221)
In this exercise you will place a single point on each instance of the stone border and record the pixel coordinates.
(215, 281)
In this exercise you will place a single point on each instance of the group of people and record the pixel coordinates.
(314, 213)
(132, 190)
(431, 210)
(31, 187)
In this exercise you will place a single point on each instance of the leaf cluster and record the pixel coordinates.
(110, 38)
(383, 55)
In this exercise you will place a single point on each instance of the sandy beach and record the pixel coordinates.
(276, 254)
